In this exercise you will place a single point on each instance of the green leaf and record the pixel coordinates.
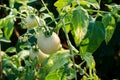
(1, 33)
(30, 74)
(14, 11)
(60, 4)
(3, 22)
(93, 3)
(94, 37)
(7, 24)
(59, 59)
(67, 20)
(24, 2)
(89, 59)
(11, 49)
(11, 3)
(6, 62)
(84, 45)
(27, 9)
(2, 39)
(113, 7)
(8, 30)
(56, 75)
(109, 24)
(23, 54)
(80, 22)
(16, 60)
(54, 62)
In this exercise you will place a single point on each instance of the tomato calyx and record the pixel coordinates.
(48, 31)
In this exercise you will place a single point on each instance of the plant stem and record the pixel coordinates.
(90, 73)
(49, 12)
(97, 11)
(71, 48)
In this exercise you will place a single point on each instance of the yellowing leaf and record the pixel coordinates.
(62, 3)
(90, 3)
(79, 24)
(109, 24)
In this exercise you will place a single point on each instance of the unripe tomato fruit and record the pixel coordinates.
(38, 54)
(31, 21)
(49, 44)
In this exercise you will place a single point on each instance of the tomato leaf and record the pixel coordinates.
(2, 39)
(62, 3)
(93, 3)
(54, 62)
(4, 21)
(67, 20)
(89, 59)
(11, 49)
(8, 23)
(59, 60)
(11, 3)
(93, 38)
(56, 75)
(8, 30)
(109, 24)
(30, 74)
(1, 33)
(23, 54)
(79, 24)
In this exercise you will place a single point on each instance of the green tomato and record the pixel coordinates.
(38, 54)
(31, 21)
(48, 45)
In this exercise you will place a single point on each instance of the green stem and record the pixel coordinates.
(53, 21)
(90, 72)
(49, 12)
(71, 48)
(3, 6)
(97, 11)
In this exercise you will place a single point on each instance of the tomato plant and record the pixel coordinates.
(39, 53)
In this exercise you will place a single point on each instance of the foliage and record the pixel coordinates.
(88, 25)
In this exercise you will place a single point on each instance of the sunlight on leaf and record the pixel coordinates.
(109, 24)
(11, 49)
(56, 75)
(79, 24)
(93, 3)
(67, 20)
(11, 3)
(2, 39)
(8, 25)
(54, 62)
(59, 60)
(62, 3)
(89, 59)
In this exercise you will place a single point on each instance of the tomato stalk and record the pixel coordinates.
(71, 48)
